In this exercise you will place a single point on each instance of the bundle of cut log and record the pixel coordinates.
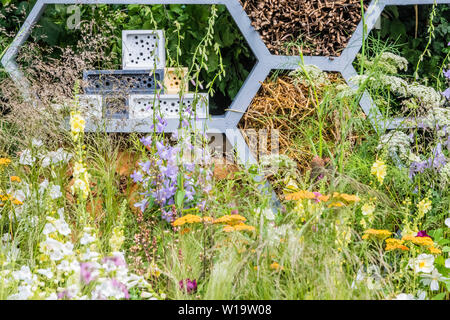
(319, 27)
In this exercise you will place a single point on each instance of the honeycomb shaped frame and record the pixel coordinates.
(266, 62)
(143, 50)
(174, 79)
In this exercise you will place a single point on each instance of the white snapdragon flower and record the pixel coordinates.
(43, 186)
(55, 192)
(56, 249)
(37, 143)
(24, 293)
(46, 272)
(87, 237)
(26, 158)
(48, 228)
(404, 296)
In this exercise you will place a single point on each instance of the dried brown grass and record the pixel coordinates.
(292, 110)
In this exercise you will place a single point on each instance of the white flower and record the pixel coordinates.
(447, 222)
(46, 162)
(24, 293)
(423, 263)
(52, 296)
(62, 227)
(57, 250)
(45, 272)
(42, 186)
(26, 158)
(433, 280)
(48, 228)
(55, 192)
(61, 213)
(66, 266)
(404, 296)
(24, 274)
(37, 143)
(87, 237)
(56, 157)
(90, 255)
(267, 213)
(421, 295)
(447, 263)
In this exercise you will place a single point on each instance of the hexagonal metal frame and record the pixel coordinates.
(266, 62)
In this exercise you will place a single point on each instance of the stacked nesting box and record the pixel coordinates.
(143, 86)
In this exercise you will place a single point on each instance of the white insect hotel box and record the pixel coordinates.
(144, 85)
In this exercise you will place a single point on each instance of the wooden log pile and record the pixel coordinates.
(320, 27)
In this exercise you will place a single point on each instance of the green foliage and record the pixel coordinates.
(398, 25)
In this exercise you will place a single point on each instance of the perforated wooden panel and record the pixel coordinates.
(143, 49)
(171, 106)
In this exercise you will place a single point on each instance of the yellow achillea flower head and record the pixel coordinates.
(434, 250)
(4, 161)
(302, 194)
(238, 227)
(191, 218)
(420, 241)
(17, 202)
(379, 169)
(346, 197)
(394, 244)
(336, 204)
(230, 219)
(276, 266)
(375, 233)
(15, 179)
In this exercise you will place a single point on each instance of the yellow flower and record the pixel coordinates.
(346, 197)
(276, 266)
(424, 206)
(244, 227)
(368, 209)
(336, 204)
(77, 123)
(4, 161)
(17, 202)
(434, 250)
(230, 219)
(302, 194)
(394, 244)
(154, 271)
(15, 179)
(375, 233)
(238, 227)
(420, 241)
(379, 170)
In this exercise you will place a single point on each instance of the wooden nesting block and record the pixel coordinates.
(173, 80)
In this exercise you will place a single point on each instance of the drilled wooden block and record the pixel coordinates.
(143, 49)
(175, 79)
(123, 81)
(169, 105)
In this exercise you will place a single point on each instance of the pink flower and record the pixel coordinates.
(422, 234)
(191, 285)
